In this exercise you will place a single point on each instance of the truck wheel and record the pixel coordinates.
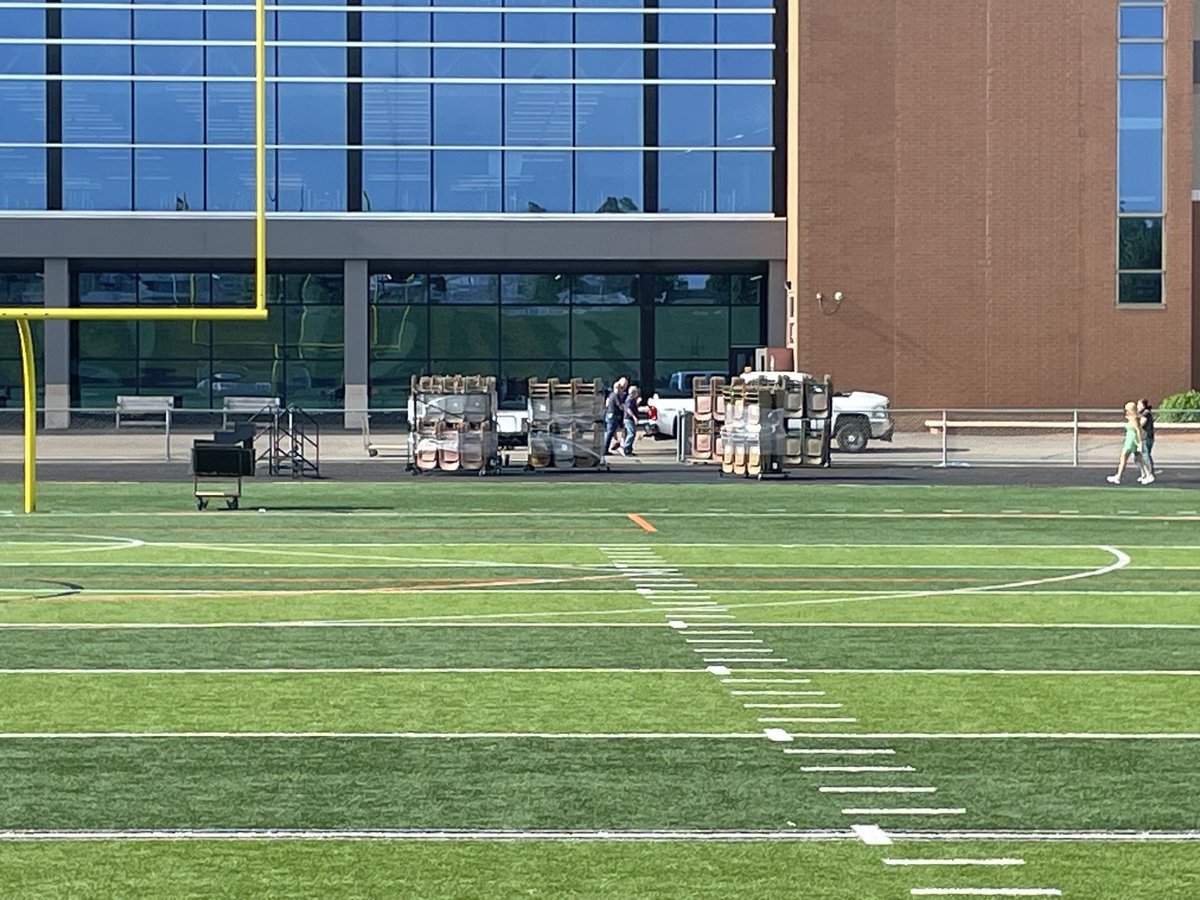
(852, 436)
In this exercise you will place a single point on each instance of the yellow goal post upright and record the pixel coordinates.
(23, 314)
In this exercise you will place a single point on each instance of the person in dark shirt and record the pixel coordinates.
(1146, 420)
(614, 411)
(631, 420)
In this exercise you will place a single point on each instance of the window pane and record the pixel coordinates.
(397, 114)
(169, 179)
(466, 181)
(397, 181)
(680, 289)
(745, 328)
(1141, 22)
(463, 288)
(390, 380)
(686, 115)
(534, 332)
(608, 115)
(399, 287)
(168, 112)
(312, 114)
(21, 288)
(459, 332)
(743, 182)
(22, 178)
(24, 105)
(747, 289)
(107, 340)
(608, 181)
(230, 179)
(528, 63)
(685, 181)
(174, 340)
(512, 385)
(743, 115)
(1141, 243)
(1140, 287)
(107, 289)
(607, 289)
(466, 114)
(229, 117)
(97, 179)
(1140, 146)
(1141, 59)
(537, 182)
(311, 180)
(537, 114)
(692, 333)
(97, 112)
(399, 332)
(606, 331)
(539, 289)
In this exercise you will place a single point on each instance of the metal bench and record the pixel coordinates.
(136, 409)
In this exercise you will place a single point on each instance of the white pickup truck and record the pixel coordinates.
(859, 417)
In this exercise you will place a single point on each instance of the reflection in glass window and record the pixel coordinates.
(744, 182)
(691, 332)
(703, 289)
(608, 115)
(464, 332)
(743, 115)
(97, 112)
(169, 179)
(466, 181)
(537, 114)
(397, 114)
(22, 178)
(398, 287)
(606, 332)
(97, 179)
(1140, 145)
(229, 176)
(535, 289)
(608, 181)
(1140, 287)
(1141, 59)
(685, 181)
(397, 181)
(168, 112)
(686, 115)
(1141, 22)
(605, 289)
(535, 332)
(21, 288)
(537, 181)
(473, 289)
(311, 180)
(466, 114)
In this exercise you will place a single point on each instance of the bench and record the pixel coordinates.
(143, 405)
(249, 406)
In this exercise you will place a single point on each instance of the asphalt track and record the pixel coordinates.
(650, 469)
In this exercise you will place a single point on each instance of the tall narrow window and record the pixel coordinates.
(1141, 34)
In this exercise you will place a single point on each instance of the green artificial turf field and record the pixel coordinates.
(501, 688)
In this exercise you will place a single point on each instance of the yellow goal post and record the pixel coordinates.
(24, 314)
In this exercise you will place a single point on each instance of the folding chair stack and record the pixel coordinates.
(774, 423)
(454, 424)
(566, 423)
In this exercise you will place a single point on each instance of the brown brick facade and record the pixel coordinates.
(953, 175)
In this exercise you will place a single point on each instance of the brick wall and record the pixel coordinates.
(955, 180)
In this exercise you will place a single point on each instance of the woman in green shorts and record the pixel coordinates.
(1132, 446)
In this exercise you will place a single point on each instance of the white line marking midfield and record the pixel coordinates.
(963, 861)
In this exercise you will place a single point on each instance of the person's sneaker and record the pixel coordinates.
(1113, 479)
(1149, 479)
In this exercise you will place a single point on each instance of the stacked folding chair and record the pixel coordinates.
(775, 423)
(708, 396)
(566, 427)
(454, 426)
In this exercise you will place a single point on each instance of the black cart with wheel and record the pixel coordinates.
(217, 472)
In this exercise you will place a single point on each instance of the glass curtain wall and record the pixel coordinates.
(457, 106)
(1140, 167)
(296, 354)
(19, 286)
(557, 325)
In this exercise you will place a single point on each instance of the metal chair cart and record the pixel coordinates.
(213, 461)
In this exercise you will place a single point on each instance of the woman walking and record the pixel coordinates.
(1146, 420)
(1133, 446)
